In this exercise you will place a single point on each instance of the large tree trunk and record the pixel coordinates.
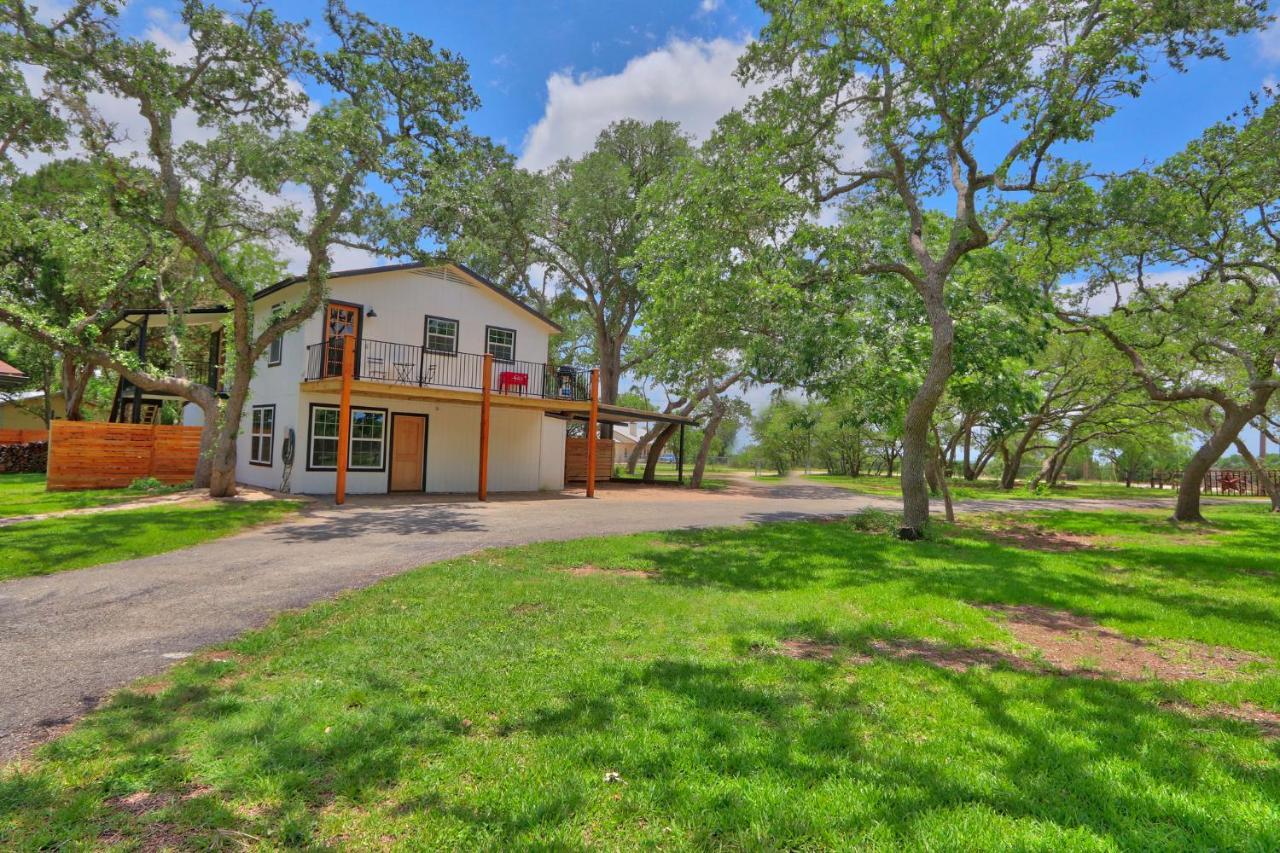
(969, 473)
(642, 444)
(916, 426)
(941, 473)
(1269, 487)
(75, 380)
(984, 459)
(708, 435)
(222, 474)
(655, 453)
(610, 352)
(1013, 461)
(1188, 506)
(1052, 464)
(208, 433)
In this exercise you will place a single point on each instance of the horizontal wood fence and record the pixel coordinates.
(575, 460)
(1220, 482)
(23, 436)
(97, 455)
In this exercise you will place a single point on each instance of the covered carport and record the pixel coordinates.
(612, 416)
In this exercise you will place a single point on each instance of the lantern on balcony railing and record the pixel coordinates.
(565, 376)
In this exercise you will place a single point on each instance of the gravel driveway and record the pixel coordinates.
(68, 639)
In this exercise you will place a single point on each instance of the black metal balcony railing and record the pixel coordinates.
(197, 370)
(410, 364)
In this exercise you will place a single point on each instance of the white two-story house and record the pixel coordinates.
(426, 341)
(421, 334)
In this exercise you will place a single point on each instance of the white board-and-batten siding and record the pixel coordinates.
(526, 447)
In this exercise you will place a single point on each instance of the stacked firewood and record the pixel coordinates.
(30, 457)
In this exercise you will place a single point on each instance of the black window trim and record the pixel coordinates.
(426, 335)
(488, 329)
(271, 443)
(386, 438)
(324, 330)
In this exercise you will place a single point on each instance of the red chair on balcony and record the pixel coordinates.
(510, 380)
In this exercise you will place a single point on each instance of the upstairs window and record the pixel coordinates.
(442, 335)
(500, 343)
(275, 352)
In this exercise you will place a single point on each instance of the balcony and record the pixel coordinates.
(411, 366)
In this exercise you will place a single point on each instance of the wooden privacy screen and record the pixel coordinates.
(575, 460)
(22, 436)
(97, 455)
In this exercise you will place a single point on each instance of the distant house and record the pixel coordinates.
(11, 377)
(24, 410)
(421, 334)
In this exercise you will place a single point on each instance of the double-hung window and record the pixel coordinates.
(323, 451)
(368, 439)
(262, 434)
(442, 335)
(500, 343)
(366, 450)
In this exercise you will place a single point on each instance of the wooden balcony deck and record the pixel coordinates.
(433, 393)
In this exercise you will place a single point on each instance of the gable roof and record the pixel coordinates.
(218, 311)
(10, 376)
(417, 265)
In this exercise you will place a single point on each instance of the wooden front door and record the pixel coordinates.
(340, 320)
(408, 453)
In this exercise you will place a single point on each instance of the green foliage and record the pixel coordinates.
(875, 521)
(784, 434)
(152, 486)
(576, 226)
(379, 163)
(915, 85)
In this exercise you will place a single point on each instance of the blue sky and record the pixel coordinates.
(603, 57)
(551, 75)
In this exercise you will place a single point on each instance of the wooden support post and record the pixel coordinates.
(344, 416)
(680, 458)
(486, 384)
(593, 428)
(136, 417)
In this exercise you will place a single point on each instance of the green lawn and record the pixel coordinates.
(24, 494)
(990, 489)
(504, 701)
(75, 541)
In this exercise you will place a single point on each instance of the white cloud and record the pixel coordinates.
(1269, 42)
(706, 7)
(1102, 300)
(687, 81)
